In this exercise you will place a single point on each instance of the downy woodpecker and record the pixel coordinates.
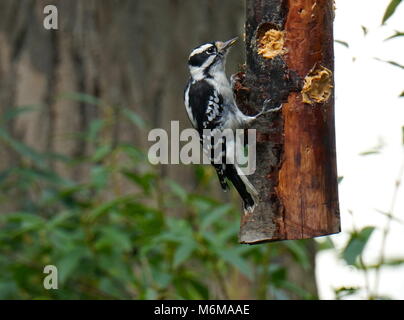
(211, 108)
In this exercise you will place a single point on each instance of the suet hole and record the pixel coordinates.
(270, 41)
(317, 86)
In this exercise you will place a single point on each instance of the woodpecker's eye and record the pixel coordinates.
(211, 50)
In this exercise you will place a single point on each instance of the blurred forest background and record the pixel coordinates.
(76, 189)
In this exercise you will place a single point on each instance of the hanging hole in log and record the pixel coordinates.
(317, 86)
(270, 41)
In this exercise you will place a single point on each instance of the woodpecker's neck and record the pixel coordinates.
(220, 80)
(221, 83)
(212, 68)
(197, 73)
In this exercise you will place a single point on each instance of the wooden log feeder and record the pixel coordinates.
(290, 59)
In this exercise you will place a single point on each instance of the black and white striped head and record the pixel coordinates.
(209, 58)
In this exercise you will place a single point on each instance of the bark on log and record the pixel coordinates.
(290, 59)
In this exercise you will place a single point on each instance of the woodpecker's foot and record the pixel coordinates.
(268, 108)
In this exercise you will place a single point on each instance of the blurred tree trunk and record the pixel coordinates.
(126, 53)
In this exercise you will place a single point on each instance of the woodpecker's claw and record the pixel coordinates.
(267, 108)
(267, 103)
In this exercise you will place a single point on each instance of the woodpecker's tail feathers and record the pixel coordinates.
(244, 187)
(222, 177)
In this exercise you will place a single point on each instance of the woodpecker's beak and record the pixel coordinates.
(223, 47)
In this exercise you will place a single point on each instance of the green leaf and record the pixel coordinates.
(69, 263)
(183, 252)
(214, 215)
(101, 153)
(401, 95)
(396, 64)
(108, 206)
(134, 118)
(345, 44)
(8, 290)
(299, 252)
(81, 97)
(391, 262)
(339, 179)
(94, 129)
(15, 112)
(59, 219)
(162, 277)
(395, 35)
(110, 288)
(111, 237)
(21, 148)
(325, 244)
(5, 174)
(134, 153)
(393, 63)
(365, 30)
(345, 291)
(369, 153)
(375, 150)
(391, 8)
(64, 241)
(278, 274)
(177, 190)
(201, 203)
(200, 288)
(26, 222)
(42, 174)
(151, 294)
(231, 231)
(145, 181)
(293, 287)
(99, 176)
(356, 245)
(233, 257)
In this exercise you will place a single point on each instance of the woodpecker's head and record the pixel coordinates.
(209, 58)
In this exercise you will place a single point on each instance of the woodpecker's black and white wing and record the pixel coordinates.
(207, 112)
(204, 106)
